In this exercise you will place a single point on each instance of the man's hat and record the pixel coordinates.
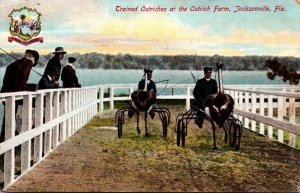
(59, 50)
(148, 71)
(207, 69)
(35, 54)
(52, 70)
(71, 59)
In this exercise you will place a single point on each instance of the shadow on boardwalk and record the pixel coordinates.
(94, 159)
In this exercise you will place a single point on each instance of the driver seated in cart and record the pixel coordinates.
(145, 97)
(204, 88)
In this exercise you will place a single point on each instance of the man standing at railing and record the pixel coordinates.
(68, 75)
(204, 87)
(16, 77)
(48, 81)
(55, 61)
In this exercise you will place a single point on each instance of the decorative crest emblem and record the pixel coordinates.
(25, 24)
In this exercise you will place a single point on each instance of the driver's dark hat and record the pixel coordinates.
(207, 69)
(71, 59)
(148, 71)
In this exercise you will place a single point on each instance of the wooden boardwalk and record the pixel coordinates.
(94, 159)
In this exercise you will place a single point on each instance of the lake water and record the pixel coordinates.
(89, 77)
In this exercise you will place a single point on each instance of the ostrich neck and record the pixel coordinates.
(220, 79)
(145, 87)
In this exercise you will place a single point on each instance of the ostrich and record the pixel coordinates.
(221, 106)
(143, 101)
(217, 110)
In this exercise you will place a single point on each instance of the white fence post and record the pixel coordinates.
(246, 124)
(10, 127)
(240, 102)
(188, 98)
(55, 114)
(284, 111)
(101, 99)
(111, 96)
(253, 110)
(69, 109)
(80, 99)
(39, 115)
(131, 90)
(280, 117)
(236, 101)
(261, 112)
(292, 119)
(26, 126)
(63, 110)
(95, 98)
(73, 127)
(48, 117)
(270, 114)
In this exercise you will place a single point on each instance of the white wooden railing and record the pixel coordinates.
(268, 111)
(59, 113)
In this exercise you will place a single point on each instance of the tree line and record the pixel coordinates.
(175, 62)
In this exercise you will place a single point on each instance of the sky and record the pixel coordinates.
(85, 26)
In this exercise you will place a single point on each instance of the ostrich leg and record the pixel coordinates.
(146, 130)
(137, 122)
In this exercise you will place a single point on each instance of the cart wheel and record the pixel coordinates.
(178, 132)
(238, 134)
(232, 133)
(119, 127)
(165, 126)
(183, 133)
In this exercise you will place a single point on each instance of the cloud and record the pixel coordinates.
(139, 26)
(145, 26)
(275, 39)
(287, 52)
